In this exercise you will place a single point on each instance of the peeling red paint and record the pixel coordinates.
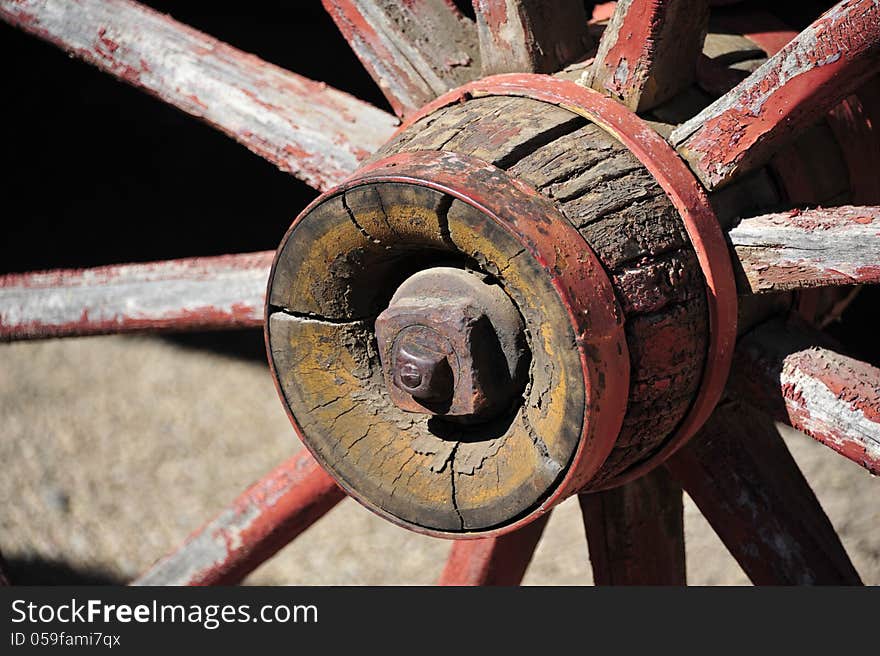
(252, 101)
(397, 46)
(493, 561)
(261, 521)
(155, 296)
(649, 50)
(806, 78)
(800, 249)
(743, 479)
(529, 36)
(784, 370)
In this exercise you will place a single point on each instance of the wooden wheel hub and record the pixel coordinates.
(354, 276)
(464, 338)
(526, 293)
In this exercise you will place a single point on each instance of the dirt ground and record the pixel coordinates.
(115, 448)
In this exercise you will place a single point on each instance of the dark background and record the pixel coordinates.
(97, 172)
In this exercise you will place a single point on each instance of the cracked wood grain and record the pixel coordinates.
(790, 372)
(793, 89)
(305, 128)
(801, 249)
(189, 294)
(649, 51)
(414, 50)
(530, 36)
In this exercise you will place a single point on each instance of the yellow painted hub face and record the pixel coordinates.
(336, 271)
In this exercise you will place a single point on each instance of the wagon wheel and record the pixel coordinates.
(534, 287)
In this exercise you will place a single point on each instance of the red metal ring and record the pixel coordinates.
(585, 290)
(686, 194)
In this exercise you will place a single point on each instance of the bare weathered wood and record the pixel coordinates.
(793, 89)
(743, 479)
(649, 51)
(787, 371)
(493, 561)
(623, 213)
(265, 518)
(306, 128)
(635, 532)
(414, 50)
(808, 248)
(530, 36)
(198, 293)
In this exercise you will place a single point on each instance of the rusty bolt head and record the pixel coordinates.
(451, 345)
(421, 366)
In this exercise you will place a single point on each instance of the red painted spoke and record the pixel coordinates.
(832, 398)
(305, 128)
(635, 532)
(269, 514)
(414, 50)
(792, 90)
(810, 248)
(743, 479)
(493, 561)
(198, 293)
(530, 36)
(649, 51)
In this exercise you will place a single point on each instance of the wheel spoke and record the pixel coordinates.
(811, 248)
(743, 479)
(792, 90)
(314, 132)
(252, 529)
(198, 293)
(830, 397)
(493, 561)
(414, 50)
(530, 36)
(649, 51)
(635, 532)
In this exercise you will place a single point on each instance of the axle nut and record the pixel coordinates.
(452, 345)
(421, 364)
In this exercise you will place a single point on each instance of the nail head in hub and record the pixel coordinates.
(452, 344)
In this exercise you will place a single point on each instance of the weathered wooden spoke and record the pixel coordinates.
(304, 127)
(635, 532)
(649, 50)
(743, 479)
(530, 36)
(493, 561)
(261, 521)
(820, 67)
(788, 372)
(227, 291)
(524, 293)
(415, 51)
(800, 249)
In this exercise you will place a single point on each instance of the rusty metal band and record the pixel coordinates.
(577, 276)
(687, 196)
